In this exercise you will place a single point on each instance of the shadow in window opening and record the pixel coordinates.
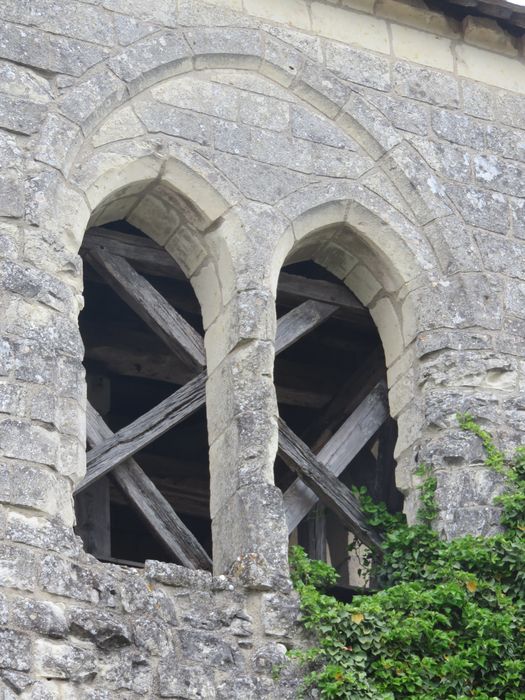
(322, 379)
(130, 370)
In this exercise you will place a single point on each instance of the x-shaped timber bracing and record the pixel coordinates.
(113, 452)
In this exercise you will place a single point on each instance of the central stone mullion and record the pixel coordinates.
(248, 524)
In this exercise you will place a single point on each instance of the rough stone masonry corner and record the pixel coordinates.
(240, 138)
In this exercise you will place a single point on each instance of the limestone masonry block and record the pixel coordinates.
(429, 49)
(350, 27)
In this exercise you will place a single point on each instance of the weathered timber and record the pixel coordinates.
(300, 321)
(302, 288)
(151, 505)
(351, 392)
(185, 496)
(150, 258)
(292, 289)
(339, 451)
(316, 533)
(138, 362)
(181, 404)
(128, 353)
(159, 515)
(151, 425)
(147, 256)
(178, 293)
(151, 306)
(93, 518)
(327, 487)
(294, 396)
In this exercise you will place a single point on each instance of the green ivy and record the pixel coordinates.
(449, 621)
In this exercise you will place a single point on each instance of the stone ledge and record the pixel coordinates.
(181, 577)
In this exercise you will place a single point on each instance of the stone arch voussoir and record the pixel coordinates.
(175, 52)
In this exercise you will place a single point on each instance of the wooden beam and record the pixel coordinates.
(151, 306)
(351, 392)
(148, 427)
(178, 293)
(93, 519)
(298, 396)
(129, 354)
(150, 503)
(339, 451)
(316, 533)
(300, 321)
(147, 256)
(186, 497)
(178, 406)
(327, 487)
(301, 288)
(132, 353)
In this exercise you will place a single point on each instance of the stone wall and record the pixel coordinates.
(73, 628)
(237, 142)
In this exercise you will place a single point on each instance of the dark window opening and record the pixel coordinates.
(321, 380)
(129, 371)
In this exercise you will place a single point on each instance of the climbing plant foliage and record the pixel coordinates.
(449, 619)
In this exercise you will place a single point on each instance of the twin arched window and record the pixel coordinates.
(146, 490)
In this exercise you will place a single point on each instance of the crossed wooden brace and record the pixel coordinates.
(113, 452)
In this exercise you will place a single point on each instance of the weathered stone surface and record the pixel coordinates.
(358, 66)
(425, 85)
(92, 97)
(30, 442)
(279, 614)
(62, 578)
(446, 160)
(503, 256)
(243, 45)
(331, 90)
(455, 248)
(15, 649)
(457, 128)
(175, 122)
(49, 52)
(11, 195)
(211, 650)
(20, 115)
(312, 127)
(137, 62)
(187, 683)
(128, 670)
(500, 175)
(264, 183)
(60, 17)
(483, 208)
(40, 616)
(100, 626)
(17, 681)
(40, 532)
(270, 656)
(179, 576)
(59, 660)
(478, 100)
(263, 111)
(24, 84)
(238, 142)
(405, 115)
(509, 143)
(281, 61)
(4, 610)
